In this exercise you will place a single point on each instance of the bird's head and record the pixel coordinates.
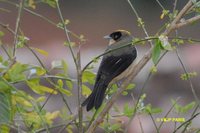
(118, 36)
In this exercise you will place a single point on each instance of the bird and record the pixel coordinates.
(115, 65)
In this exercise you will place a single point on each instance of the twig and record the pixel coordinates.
(168, 113)
(66, 32)
(138, 18)
(160, 4)
(193, 113)
(17, 25)
(154, 123)
(141, 127)
(6, 26)
(64, 125)
(186, 122)
(178, 17)
(141, 93)
(187, 22)
(79, 82)
(188, 78)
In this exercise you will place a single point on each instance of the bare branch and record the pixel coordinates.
(187, 22)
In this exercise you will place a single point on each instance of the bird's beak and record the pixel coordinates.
(107, 37)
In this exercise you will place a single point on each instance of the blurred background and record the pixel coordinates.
(95, 19)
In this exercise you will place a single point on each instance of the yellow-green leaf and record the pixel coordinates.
(41, 99)
(66, 92)
(86, 90)
(40, 89)
(51, 116)
(42, 52)
(22, 101)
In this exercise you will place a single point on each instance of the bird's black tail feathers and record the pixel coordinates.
(96, 97)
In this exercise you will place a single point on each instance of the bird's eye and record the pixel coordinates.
(116, 35)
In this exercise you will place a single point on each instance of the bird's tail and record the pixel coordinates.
(96, 97)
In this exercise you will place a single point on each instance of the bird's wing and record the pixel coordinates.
(112, 66)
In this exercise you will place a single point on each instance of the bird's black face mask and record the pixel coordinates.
(116, 35)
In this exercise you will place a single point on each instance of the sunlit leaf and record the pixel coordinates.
(86, 90)
(39, 89)
(69, 84)
(16, 72)
(22, 101)
(4, 128)
(42, 52)
(51, 116)
(88, 76)
(62, 90)
(128, 111)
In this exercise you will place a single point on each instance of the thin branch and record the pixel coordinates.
(138, 18)
(79, 82)
(160, 4)
(193, 113)
(187, 22)
(66, 32)
(141, 93)
(154, 123)
(141, 127)
(186, 122)
(5, 50)
(168, 113)
(178, 17)
(64, 125)
(188, 78)
(17, 25)
(6, 26)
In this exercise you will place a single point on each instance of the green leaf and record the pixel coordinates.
(130, 86)
(183, 109)
(65, 67)
(60, 83)
(41, 99)
(86, 90)
(62, 90)
(42, 52)
(39, 89)
(150, 109)
(39, 71)
(69, 84)
(4, 128)
(128, 111)
(115, 127)
(124, 93)
(5, 108)
(88, 76)
(1, 33)
(22, 40)
(16, 72)
(156, 52)
(188, 107)
(51, 3)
